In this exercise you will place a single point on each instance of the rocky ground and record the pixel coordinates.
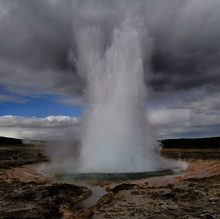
(191, 198)
(24, 193)
(193, 193)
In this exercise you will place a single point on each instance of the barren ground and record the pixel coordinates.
(27, 193)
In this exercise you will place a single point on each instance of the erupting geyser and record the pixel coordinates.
(116, 136)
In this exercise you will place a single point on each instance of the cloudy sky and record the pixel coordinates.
(41, 92)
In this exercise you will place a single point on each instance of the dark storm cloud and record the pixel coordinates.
(187, 45)
(38, 55)
(36, 38)
(35, 32)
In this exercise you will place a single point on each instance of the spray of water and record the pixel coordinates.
(116, 136)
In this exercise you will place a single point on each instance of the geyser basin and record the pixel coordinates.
(112, 176)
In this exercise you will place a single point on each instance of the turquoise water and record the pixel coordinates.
(111, 176)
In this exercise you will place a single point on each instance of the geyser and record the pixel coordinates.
(116, 136)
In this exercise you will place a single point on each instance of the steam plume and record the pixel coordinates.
(115, 135)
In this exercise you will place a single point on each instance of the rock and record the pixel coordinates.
(198, 192)
(207, 216)
(38, 200)
(191, 184)
(124, 186)
(213, 199)
(173, 207)
(157, 211)
(169, 195)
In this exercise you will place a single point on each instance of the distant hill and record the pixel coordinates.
(192, 143)
(16, 141)
(10, 141)
(187, 143)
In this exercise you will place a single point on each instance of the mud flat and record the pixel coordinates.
(26, 193)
